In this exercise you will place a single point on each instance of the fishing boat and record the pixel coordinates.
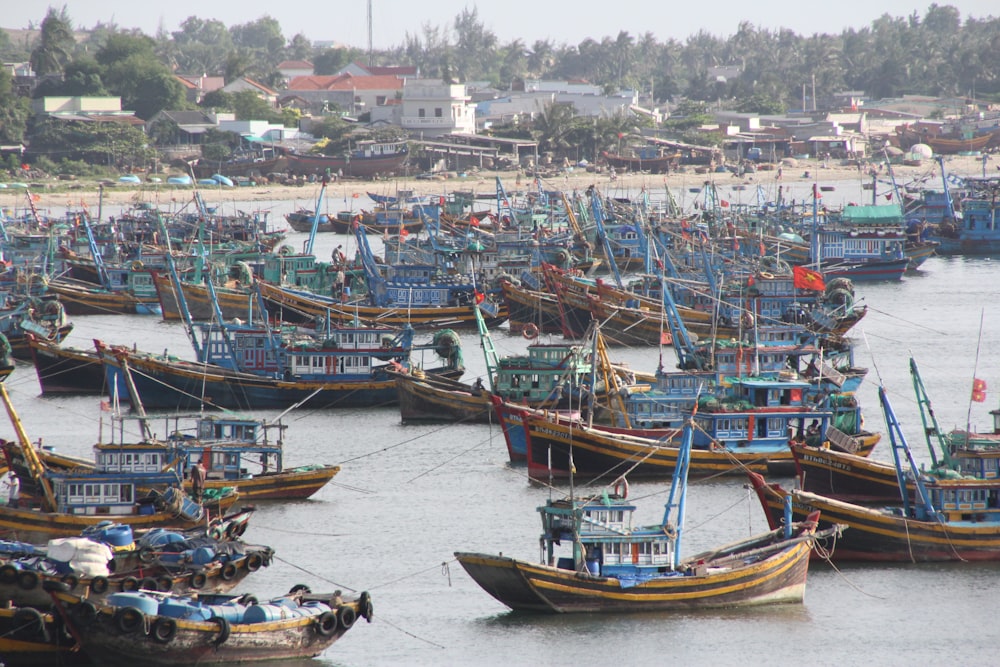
(615, 566)
(368, 159)
(63, 369)
(141, 628)
(946, 520)
(838, 473)
(75, 500)
(43, 318)
(105, 560)
(32, 638)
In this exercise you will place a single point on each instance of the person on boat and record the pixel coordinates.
(477, 387)
(197, 480)
(13, 489)
(813, 431)
(338, 256)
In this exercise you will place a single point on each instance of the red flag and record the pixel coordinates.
(105, 406)
(978, 390)
(804, 278)
(480, 297)
(404, 232)
(723, 203)
(666, 338)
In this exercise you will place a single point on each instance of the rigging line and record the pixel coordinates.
(313, 574)
(447, 461)
(349, 487)
(412, 574)
(257, 524)
(182, 393)
(827, 555)
(909, 322)
(408, 633)
(398, 444)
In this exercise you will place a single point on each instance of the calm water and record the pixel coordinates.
(409, 496)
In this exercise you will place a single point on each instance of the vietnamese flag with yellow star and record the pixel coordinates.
(804, 278)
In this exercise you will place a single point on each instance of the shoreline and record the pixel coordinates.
(72, 194)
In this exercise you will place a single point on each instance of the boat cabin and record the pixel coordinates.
(549, 372)
(598, 537)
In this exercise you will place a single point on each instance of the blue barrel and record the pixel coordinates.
(118, 535)
(203, 555)
(261, 613)
(234, 613)
(183, 609)
(144, 603)
(314, 608)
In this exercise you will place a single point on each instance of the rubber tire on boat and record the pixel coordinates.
(84, 614)
(149, 584)
(365, 603)
(236, 529)
(70, 580)
(228, 571)
(29, 624)
(128, 584)
(198, 580)
(163, 630)
(27, 580)
(129, 620)
(248, 600)
(299, 588)
(147, 555)
(99, 585)
(224, 630)
(327, 624)
(8, 574)
(346, 617)
(165, 583)
(254, 562)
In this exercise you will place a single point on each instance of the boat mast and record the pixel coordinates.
(35, 464)
(929, 419)
(678, 488)
(315, 222)
(908, 468)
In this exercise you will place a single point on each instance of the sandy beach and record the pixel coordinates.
(53, 193)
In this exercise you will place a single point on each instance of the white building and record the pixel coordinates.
(433, 108)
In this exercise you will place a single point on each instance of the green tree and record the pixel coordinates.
(330, 61)
(132, 71)
(14, 111)
(55, 43)
(249, 106)
(219, 100)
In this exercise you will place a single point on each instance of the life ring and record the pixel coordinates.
(254, 562)
(128, 584)
(27, 580)
(85, 613)
(670, 530)
(621, 488)
(137, 266)
(766, 275)
(530, 331)
(70, 580)
(8, 574)
(164, 629)
(29, 624)
(365, 604)
(128, 620)
(346, 617)
(165, 583)
(224, 630)
(99, 585)
(198, 580)
(228, 571)
(326, 624)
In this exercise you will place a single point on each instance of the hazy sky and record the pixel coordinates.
(562, 22)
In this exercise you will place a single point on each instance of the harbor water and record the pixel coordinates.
(409, 496)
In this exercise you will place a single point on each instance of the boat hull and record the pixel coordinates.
(525, 586)
(63, 370)
(880, 536)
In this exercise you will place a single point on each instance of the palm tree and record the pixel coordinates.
(55, 43)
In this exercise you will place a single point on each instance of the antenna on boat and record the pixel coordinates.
(975, 382)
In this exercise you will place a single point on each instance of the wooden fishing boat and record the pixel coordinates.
(947, 520)
(287, 304)
(369, 159)
(183, 563)
(83, 298)
(66, 370)
(137, 628)
(75, 500)
(43, 318)
(234, 302)
(32, 638)
(614, 566)
(530, 306)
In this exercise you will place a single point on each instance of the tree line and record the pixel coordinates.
(937, 54)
